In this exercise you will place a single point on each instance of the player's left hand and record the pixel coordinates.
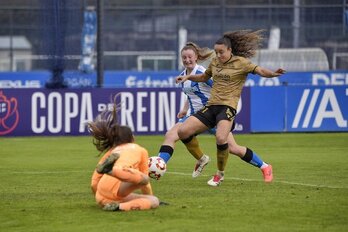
(280, 71)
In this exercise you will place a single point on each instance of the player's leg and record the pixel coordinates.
(133, 201)
(250, 157)
(131, 180)
(234, 148)
(224, 116)
(187, 132)
(127, 181)
(222, 131)
(143, 201)
(168, 145)
(202, 159)
(167, 149)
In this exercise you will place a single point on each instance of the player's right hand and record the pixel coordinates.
(180, 79)
(181, 114)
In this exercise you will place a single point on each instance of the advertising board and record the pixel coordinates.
(26, 112)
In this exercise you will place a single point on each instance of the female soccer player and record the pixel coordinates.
(229, 71)
(123, 168)
(197, 95)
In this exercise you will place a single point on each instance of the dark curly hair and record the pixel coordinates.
(243, 43)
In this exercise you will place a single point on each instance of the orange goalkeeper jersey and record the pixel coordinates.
(131, 156)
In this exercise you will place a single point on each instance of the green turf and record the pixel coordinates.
(45, 187)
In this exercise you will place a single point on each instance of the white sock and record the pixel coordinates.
(264, 165)
(203, 158)
(221, 173)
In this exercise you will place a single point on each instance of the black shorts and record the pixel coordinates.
(211, 115)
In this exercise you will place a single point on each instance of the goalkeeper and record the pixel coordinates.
(123, 168)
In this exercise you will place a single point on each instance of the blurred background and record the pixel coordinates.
(306, 35)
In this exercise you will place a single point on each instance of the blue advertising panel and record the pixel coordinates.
(267, 109)
(164, 79)
(26, 112)
(301, 78)
(299, 109)
(38, 79)
(317, 108)
(147, 79)
(242, 120)
(16, 80)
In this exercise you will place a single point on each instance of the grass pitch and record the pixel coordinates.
(45, 187)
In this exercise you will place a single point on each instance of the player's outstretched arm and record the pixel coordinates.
(264, 72)
(197, 78)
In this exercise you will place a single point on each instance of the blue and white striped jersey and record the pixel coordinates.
(197, 93)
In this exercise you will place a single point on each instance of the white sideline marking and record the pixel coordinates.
(189, 174)
(274, 181)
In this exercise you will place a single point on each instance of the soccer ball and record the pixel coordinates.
(157, 167)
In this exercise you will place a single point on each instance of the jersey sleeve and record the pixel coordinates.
(249, 67)
(97, 176)
(95, 180)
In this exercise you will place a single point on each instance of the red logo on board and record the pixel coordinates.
(9, 116)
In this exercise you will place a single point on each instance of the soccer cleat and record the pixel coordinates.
(201, 163)
(108, 163)
(267, 173)
(113, 206)
(216, 180)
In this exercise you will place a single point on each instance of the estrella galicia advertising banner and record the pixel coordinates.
(299, 108)
(161, 79)
(26, 112)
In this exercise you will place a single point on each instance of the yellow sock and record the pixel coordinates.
(193, 147)
(222, 156)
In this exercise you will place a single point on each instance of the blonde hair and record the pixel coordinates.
(202, 53)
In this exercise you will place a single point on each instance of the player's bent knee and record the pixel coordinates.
(220, 139)
(172, 136)
(154, 202)
(182, 133)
